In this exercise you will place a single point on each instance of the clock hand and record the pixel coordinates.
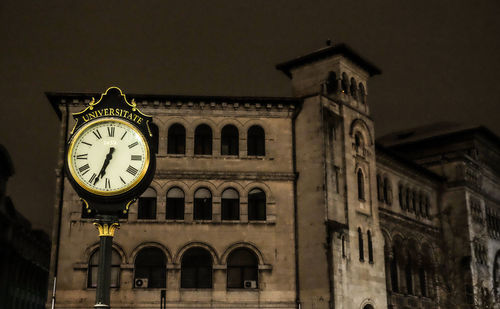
(109, 156)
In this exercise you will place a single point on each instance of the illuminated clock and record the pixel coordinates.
(108, 156)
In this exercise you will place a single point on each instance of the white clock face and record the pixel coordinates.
(108, 157)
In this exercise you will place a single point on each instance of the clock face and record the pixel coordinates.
(108, 156)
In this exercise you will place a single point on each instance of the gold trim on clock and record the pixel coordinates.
(101, 192)
(94, 103)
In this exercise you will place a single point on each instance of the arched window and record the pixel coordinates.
(331, 83)
(196, 269)
(156, 137)
(147, 205)
(256, 141)
(402, 200)
(345, 83)
(150, 268)
(358, 141)
(361, 185)
(407, 199)
(409, 275)
(203, 140)
(94, 266)
(387, 191)
(423, 281)
(414, 201)
(427, 207)
(202, 205)
(229, 141)
(496, 275)
(362, 94)
(394, 270)
(230, 206)
(380, 188)
(242, 266)
(175, 204)
(370, 246)
(361, 246)
(353, 89)
(256, 204)
(421, 203)
(368, 306)
(176, 139)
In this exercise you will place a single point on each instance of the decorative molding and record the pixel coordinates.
(106, 229)
(225, 175)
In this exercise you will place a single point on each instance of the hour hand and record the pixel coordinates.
(109, 156)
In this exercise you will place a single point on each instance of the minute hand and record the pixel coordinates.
(109, 156)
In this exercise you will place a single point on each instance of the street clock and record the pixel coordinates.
(109, 157)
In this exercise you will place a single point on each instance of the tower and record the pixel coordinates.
(339, 244)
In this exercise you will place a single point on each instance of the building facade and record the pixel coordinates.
(284, 202)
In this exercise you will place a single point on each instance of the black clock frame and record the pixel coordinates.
(114, 105)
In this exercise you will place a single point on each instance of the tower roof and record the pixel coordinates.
(339, 49)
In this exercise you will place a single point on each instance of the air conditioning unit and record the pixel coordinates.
(141, 283)
(250, 284)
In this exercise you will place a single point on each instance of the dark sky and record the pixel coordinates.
(440, 61)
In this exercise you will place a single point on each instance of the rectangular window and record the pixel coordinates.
(175, 209)
(147, 208)
(230, 209)
(202, 209)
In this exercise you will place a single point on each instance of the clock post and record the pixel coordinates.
(110, 164)
(107, 226)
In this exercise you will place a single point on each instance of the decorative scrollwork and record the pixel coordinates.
(106, 229)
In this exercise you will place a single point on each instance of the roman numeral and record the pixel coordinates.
(97, 133)
(92, 178)
(123, 135)
(133, 145)
(122, 180)
(86, 143)
(82, 156)
(107, 183)
(83, 168)
(136, 157)
(111, 131)
(132, 170)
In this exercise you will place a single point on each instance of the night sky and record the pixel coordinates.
(440, 61)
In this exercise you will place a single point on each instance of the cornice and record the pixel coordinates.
(405, 168)
(390, 216)
(233, 175)
(287, 105)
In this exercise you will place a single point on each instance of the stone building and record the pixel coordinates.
(287, 202)
(24, 252)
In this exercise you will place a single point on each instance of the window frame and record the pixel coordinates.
(230, 206)
(152, 201)
(91, 266)
(197, 283)
(361, 185)
(253, 209)
(242, 268)
(256, 141)
(201, 215)
(150, 268)
(203, 140)
(179, 210)
(176, 141)
(361, 247)
(230, 141)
